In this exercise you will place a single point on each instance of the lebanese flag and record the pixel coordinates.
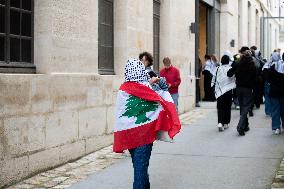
(141, 114)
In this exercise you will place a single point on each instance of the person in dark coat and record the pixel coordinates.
(276, 80)
(208, 69)
(245, 72)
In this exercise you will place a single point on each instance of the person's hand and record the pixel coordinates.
(154, 80)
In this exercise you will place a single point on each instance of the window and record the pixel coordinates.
(156, 34)
(106, 59)
(16, 36)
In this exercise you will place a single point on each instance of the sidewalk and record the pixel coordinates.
(71, 173)
(201, 157)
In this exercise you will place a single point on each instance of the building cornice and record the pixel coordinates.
(265, 7)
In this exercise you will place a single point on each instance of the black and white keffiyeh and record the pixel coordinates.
(135, 71)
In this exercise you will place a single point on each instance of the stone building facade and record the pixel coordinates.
(231, 24)
(76, 52)
(66, 109)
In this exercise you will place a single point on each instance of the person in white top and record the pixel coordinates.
(208, 70)
(223, 86)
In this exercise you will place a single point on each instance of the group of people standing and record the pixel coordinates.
(245, 79)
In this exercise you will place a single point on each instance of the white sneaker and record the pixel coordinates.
(277, 131)
(237, 107)
(226, 126)
(220, 127)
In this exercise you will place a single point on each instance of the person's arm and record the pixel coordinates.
(163, 84)
(232, 71)
(177, 81)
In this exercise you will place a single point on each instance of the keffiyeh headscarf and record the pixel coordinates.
(135, 71)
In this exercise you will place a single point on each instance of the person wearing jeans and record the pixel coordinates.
(276, 80)
(277, 114)
(140, 160)
(175, 99)
(267, 101)
(172, 76)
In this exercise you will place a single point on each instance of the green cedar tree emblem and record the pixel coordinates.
(137, 107)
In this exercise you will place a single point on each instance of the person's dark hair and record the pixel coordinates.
(225, 59)
(243, 49)
(148, 57)
(207, 57)
(253, 48)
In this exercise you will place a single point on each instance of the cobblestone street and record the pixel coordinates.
(201, 157)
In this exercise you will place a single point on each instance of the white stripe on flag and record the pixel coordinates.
(124, 122)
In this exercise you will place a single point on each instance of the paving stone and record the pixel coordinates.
(277, 185)
(50, 184)
(62, 186)
(60, 179)
(23, 186)
(47, 174)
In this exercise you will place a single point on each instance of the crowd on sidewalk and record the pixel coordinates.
(147, 102)
(245, 79)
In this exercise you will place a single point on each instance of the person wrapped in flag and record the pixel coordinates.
(141, 115)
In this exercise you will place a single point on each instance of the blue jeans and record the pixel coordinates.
(277, 112)
(140, 160)
(267, 99)
(175, 99)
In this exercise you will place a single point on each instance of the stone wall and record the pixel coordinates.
(47, 120)
(66, 110)
(178, 43)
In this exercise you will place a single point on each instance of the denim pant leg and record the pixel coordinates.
(140, 160)
(175, 99)
(267, 99)
(245, 98)
(282, 111)
(275, 113)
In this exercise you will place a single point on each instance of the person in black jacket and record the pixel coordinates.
(276, 80)
(245, 72)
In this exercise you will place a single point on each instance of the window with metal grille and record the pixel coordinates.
(156, 34)
(16, 36)
(106, 60)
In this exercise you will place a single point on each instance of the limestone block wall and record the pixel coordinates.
(229, 27)
(66, 36)
(47, 120)
(177, 43)
(133, 31)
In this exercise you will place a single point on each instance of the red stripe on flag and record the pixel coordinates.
(145, 134)
(168, 120)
